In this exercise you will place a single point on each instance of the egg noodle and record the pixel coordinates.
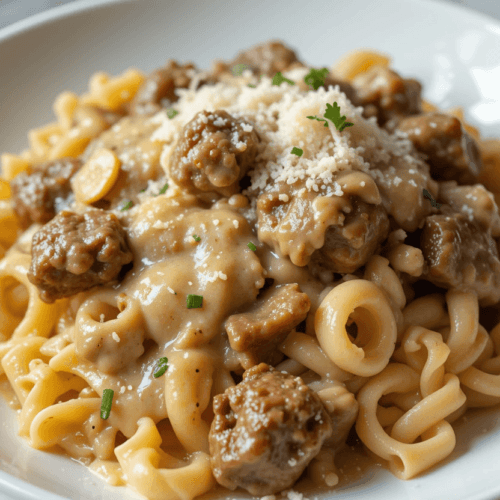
(413, 367)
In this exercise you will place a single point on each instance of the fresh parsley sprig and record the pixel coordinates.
(332, 113)
(106, 403)
(297, 151)
(278, 79)
(161, 367)
(238, 69)
(316, 77)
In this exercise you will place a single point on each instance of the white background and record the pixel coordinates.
(14, 10)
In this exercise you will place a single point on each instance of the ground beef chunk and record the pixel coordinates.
(214, 153)
(476, 202)
(386, 95)
(452, 153)
(267, 58)
(74, 252)
(265, 431)
(158, 90)
(459, 253)
(348, 247)
(255, 334)
(39, 195)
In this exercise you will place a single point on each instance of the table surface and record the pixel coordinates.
(15, 10)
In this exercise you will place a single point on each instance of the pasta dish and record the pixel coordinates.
(215, 278)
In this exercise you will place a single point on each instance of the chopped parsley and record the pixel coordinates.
(278, 79)
(316, 77)
(196, 237)
(107, 401)
(251, 246)
(164, 188)
(142, 190)
(238, 69)
(432, 200)
(297, 151)
(171, 112)
(128, 204)
(333, 114)
(251, 85)
(161, 367)
(194, 301)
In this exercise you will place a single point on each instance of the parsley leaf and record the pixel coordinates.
(278, 79)
(161, 367)
(319, 119)
(238, 69)
(194, 301)
(171, 112)
(127, 205)
(106, 403)
(164, 188)
(251, 246)
(196, 237)
(316, 77)
(251, 85)
(297, 151)
(333, 114)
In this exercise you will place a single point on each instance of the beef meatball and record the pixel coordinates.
(461, 254)
(267, 58)
(159, 87)
(385, 94)
(452, 153)
(38, 196)
(214, 153)
(74, 252)
(266, 430)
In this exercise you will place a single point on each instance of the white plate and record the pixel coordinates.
(453, 51)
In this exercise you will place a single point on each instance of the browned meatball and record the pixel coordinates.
(159, 87)
(267, 58)
(38, 196)
(385, 94)
(74, 252)
(214, 153)
(460, 254)
(349, 247)
(266, 430)
(255, 334)
(452, 152)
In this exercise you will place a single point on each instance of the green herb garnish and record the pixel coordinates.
(316, 78)
(196, 237)
(161, 367)
(251, 85)
(127, 205)
(171, 112)
(107, 401)
(434, 203)
(194, 301)
(164, 188)
(333, 114)
(297, 151)
(251, 246)
(278, 79)
(142, 190)
(238, 69)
